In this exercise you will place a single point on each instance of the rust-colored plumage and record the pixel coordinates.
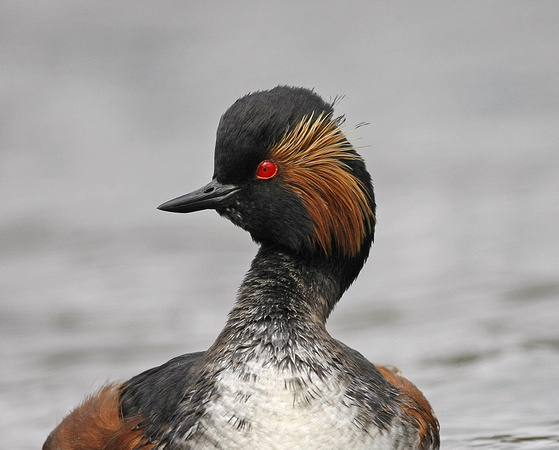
(97, 424)
(415, 405)
(312, 160)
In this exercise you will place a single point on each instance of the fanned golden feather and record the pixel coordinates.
(311, 159)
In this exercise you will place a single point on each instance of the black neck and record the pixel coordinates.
(287, 291)
(282, 283)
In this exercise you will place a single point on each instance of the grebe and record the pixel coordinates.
(274, 378)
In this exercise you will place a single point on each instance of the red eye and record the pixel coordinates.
(266, 170)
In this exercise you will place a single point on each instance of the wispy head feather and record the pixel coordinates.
(313, 161)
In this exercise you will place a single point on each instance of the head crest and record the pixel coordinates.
(313, 159)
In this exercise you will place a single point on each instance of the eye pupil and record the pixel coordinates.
(266, 170)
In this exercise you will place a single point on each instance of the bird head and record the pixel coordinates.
(285, 172)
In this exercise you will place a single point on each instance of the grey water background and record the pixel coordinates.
(110, 108)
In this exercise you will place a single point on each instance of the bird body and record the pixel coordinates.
(274, 378)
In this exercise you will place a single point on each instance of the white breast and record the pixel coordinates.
(265, 407)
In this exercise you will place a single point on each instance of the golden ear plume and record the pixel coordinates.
(312, 160)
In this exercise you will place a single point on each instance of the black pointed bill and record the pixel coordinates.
(211, 196)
